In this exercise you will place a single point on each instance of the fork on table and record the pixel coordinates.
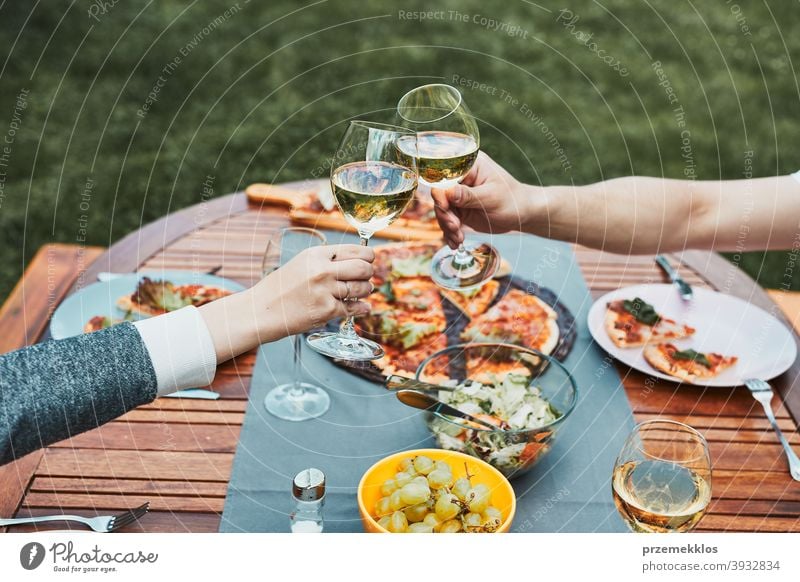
(101, 523)
(762, 392)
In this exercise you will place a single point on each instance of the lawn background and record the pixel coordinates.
(261, 89)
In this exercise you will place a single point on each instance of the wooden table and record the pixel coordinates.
(177, 454)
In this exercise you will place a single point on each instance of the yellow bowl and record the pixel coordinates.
(369, 488)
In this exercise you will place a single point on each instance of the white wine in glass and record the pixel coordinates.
(447, 146)
(662, 478)
(373, 183)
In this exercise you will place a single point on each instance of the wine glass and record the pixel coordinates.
(447, 145)
(295, 400)
(373, 183)
(662, 477)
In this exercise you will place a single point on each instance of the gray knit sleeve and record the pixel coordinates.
(57, 389)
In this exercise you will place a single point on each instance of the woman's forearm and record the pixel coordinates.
(639, 215)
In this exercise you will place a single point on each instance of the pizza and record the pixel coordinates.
(158, 297)
(634, 323)
(688, 365)
(99, 322)
(475, 301)
(518, 318)
(404, 312)
(399, 260)
(402, 362)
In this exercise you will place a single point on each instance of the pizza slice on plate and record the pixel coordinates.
(404, 312)
(404, 362)
(473, 302)
(634, 323)
(157, 297)
(688, 365)
(518, 318)
(399, 260)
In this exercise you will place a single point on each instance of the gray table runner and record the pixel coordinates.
(569, 490)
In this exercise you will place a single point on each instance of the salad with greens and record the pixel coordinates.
(512, 402)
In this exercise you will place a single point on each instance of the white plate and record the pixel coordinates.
(101, 298)
(725, 324)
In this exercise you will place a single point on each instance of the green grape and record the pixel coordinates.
(450, 526)
(419, 528)
(492, 517)
(416, 513)
(395, 501)
(383, 507)
(438, 479)
(478, 498)
(447, 506)
(442, 466)
(398, 522)
(423, 464)
(421, 479)
(388, 487)
(384, 521)
(402, 479)
(414, 493)
(461, 487)
(433, 520)
(473, 520)
(406, 466)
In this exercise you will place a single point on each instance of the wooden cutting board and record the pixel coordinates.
(302, 214)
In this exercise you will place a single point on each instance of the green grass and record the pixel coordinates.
(263, 95)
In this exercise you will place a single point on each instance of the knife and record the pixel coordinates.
(198, 393)
(683, 287)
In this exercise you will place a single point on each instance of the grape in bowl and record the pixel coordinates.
(526, 393)
(435, 491)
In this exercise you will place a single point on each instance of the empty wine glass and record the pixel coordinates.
(662, 477)
(296, 400)
(373, 183)
(447, 146)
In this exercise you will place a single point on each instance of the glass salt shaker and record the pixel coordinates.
(308, 492)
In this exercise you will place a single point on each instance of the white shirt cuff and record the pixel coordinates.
(181, 349)
(796, 175)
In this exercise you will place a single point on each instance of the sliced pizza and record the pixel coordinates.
(399, 260)
(157, 297)
(633, 323)
(519, 318)
(404, 312)
(473, 302)
(688, 365)
(404, 362)
(99, 322)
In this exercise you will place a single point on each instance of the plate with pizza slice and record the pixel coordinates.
(134, 296)
(713, 340)
(413, 318)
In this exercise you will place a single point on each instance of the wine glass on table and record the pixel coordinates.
(373, 183)
(296, 400)
(447, 145)
(662, 478)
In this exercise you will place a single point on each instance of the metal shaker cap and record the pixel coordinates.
(309, 485)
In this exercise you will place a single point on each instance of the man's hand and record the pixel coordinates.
(489, 199)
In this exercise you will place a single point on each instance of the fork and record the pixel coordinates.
(762, 392)
(101, 523)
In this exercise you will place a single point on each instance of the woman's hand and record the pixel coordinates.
(489, 199)
(305, 293)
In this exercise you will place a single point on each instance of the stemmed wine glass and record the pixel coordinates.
(295, 400)
(447, 145)
(373, 182)
(662, 477)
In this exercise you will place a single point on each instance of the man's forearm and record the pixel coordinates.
(639, 215)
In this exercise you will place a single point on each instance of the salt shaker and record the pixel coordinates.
(308, 492)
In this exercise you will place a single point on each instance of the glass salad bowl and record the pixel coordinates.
(526, 393)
